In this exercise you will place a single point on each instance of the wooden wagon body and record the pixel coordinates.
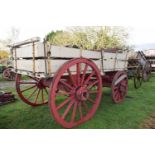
(39, 59)
(74, 74)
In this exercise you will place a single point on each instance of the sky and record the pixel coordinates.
(37, 18)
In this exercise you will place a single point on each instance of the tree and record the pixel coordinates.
(90, 37)
(4, 54)
(59, 38)
(11, 38)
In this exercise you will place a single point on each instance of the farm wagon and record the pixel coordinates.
(70, 80)
(139, 68)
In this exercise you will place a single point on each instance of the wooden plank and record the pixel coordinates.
(27, 65)
(56, 52)
(65, 52)
(32, 40)
(26, 51)
(114, 61)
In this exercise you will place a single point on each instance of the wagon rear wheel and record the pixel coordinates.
(8, 74)
(119, 87)
(75, 92)
(31, 90)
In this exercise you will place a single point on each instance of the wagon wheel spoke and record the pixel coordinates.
(36, 99)
(42, 95)
(74, 112)
(93, 92)
(78, 71)
(91, 101)
(66, 84)
(92, 84)
(88, 78)
(84, 73)
(71, 77)
(28, 88)
(63, 104)
(68, 109)
(46, 91)
(24, 82)
(29, 97)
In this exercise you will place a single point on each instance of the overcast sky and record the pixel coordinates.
(37, 18)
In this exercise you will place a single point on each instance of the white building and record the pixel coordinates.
(150, 55)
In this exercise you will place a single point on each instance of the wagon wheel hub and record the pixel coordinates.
(40, 84)
(82, 94)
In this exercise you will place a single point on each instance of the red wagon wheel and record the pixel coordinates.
(75, 92)
(119, 87)
(8, 74)
(31, 90)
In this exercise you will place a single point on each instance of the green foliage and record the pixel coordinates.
(93, 38)
(4, 54)
(59, 38)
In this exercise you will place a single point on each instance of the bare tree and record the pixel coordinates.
(12, 37)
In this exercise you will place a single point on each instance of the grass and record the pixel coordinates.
(137, 107)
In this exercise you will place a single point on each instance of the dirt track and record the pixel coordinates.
(7, 84)
(149, 123)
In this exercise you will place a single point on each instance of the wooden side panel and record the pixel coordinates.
(91, 54)
(27, 50)
(27, 65)
(64, 52)
(114, 61)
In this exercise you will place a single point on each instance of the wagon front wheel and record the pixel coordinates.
(75, 92)
(31, 90)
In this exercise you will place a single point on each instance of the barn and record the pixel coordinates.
(150, 55)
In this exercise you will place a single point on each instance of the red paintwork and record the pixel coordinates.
(120, 90)
(8, 74)
(38, 90)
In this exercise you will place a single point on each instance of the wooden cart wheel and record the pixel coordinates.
(31, 90)
(8, 74)
(138, 77)
(119, 87)
(147, 71)
(75, 98)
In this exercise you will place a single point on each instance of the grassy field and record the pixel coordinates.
(136, 109)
